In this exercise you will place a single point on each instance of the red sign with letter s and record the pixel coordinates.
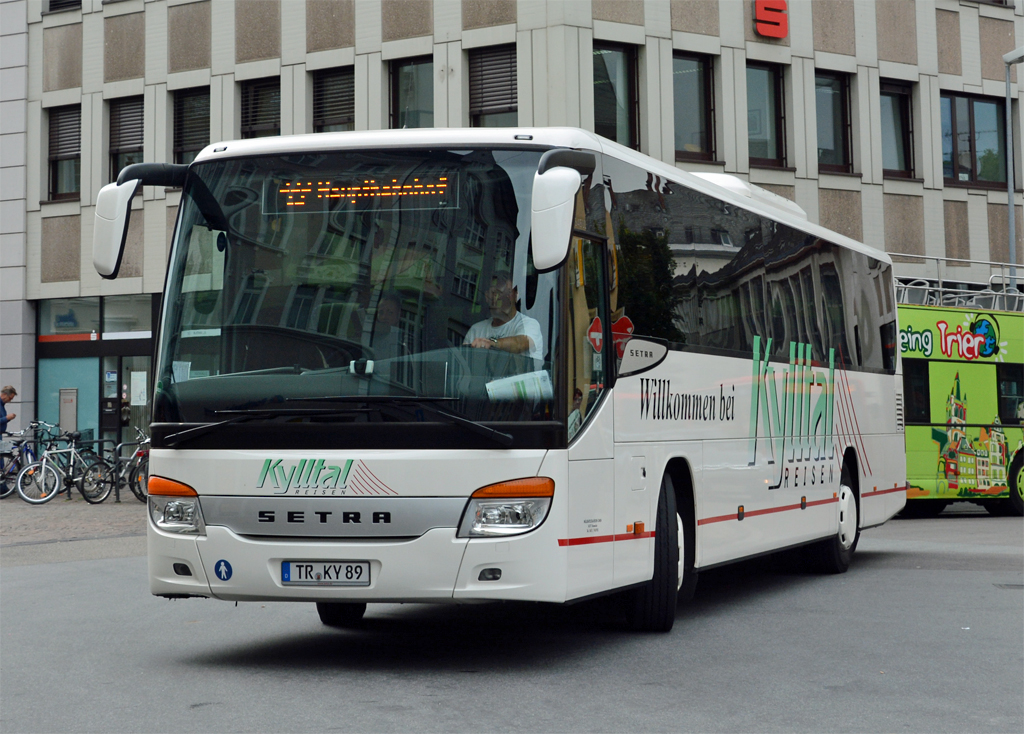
(770, 18)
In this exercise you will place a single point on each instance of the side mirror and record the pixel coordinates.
(558, 178)
(113, 211)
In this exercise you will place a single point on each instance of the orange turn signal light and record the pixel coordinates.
(532, 487)
(170, 488)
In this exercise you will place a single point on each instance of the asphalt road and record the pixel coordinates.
(925, 633)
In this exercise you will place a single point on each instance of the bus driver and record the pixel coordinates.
(507, 329)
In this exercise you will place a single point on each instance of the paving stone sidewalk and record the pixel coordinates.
(22, 524)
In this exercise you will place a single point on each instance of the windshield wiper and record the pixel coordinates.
(247, 414)
(424, 402)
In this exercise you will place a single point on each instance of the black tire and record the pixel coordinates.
(917, 509)
(9, 468)
(652, 607)
(38, 483)
(138, 480)
(96, 482)
(1014, 504)
(344, 615)
(834, 554)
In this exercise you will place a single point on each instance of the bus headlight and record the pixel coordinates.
(507, 508)
(174, 507)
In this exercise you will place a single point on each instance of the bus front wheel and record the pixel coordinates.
(652, 607)
(340, 614)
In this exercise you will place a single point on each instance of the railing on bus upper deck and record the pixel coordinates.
(952, 289)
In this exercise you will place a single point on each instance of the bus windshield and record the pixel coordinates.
(313, 281)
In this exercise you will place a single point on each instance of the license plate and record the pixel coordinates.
(325, 573)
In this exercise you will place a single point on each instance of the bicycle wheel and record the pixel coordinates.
(38, 483)
(9, 468)
(96, 482)
(138, 480)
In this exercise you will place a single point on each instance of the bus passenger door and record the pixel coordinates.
(591, 525)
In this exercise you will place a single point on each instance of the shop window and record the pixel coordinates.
(615, 93)
(973, 140)
(261, 108)
(412, 93)
(69, 319)
(65, 152)
(191, 123)
(694, 104)
(334, 100)
(832, 109)
(126, 127)
(493, 93)
(765, 115)
(128, 317)
(897, 130)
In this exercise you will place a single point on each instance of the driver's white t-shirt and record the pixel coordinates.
(518, 325)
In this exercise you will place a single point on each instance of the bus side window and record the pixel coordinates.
(1010, 384)
(915, 390)
(588, 345)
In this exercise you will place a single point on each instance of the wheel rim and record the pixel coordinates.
(847, 517)
(1020, 480)
(681, 563)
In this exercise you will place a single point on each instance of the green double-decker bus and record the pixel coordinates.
(963, 390)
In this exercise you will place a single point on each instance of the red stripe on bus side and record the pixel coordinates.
(604, 538)
(769, 510)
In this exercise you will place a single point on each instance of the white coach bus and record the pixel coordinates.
(527, 364)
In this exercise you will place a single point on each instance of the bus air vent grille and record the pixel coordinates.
(899, 412)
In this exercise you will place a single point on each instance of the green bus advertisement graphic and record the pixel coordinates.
(963, 391)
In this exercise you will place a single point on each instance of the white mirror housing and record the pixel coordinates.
(551, 215)
(110, 230)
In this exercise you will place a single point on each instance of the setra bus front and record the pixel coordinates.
(361, 384)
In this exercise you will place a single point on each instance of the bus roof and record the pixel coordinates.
(727, 187)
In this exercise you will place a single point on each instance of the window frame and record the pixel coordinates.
(179, 134)
(55, 158)
(847, 123)
(496, 54)
(253, 129)
(905, 92)
(973, 181)
(633, 80)
(779, 120)
(325, 119)
(393, 70)
(710, 111)
(115, 141)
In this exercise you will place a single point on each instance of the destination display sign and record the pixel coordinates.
(359, 193)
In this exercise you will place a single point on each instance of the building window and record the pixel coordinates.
(694, 103)
(897, 130)
(973, 140)
(191, 123)
(412, 92)
(65, 152)
(56, 6)
(125, 133)
(493, 93)
(765, 116)
(615, 94)
(334, 100)
(832, 108)
(261, 108)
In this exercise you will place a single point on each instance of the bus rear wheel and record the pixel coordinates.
(652, 607)
(340, 614)
(834, 555)
(1014, 504)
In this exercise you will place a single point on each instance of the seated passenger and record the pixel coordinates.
(506, 329)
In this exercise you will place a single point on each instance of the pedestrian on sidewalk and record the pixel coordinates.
(7, 394)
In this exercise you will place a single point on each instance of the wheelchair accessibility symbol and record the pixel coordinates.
(223, 570)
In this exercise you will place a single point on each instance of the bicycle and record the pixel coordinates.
(133, 473)
(61, 469)
(16, 452)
